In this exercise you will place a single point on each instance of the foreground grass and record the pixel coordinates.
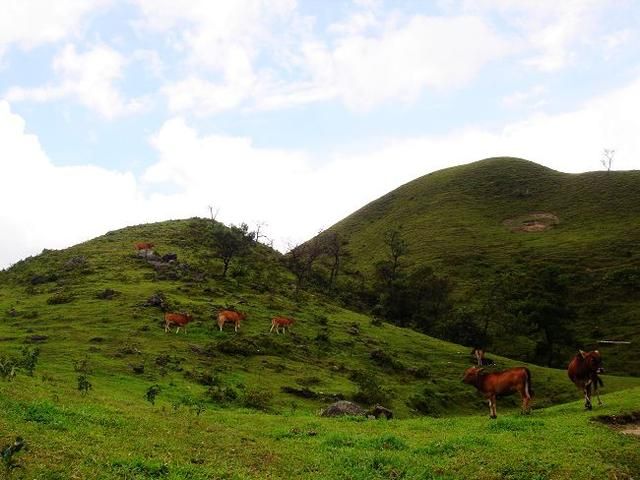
(120, 437)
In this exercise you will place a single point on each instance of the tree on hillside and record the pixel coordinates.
(607, 158)
(534, 304)
(334, 246)
(388, 275)
(231, 242)
(300, 259)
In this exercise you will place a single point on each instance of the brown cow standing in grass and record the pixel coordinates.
(231, 316)
(281, 322)
(144, 246)
(177, 319)
(583, 370)
(499, 384)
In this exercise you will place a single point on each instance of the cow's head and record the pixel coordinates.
(593, 361)
(471, 375)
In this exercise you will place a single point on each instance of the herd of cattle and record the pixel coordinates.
(584, 368)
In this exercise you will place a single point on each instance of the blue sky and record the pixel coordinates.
(293, 113)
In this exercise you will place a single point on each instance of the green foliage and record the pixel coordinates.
(152, 392)
(231, 242)
(370, 391)
(257, 398)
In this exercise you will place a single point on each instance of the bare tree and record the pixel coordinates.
(213, 216)
(259, 232)
(607, 158)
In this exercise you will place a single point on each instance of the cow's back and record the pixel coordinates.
(176, 318)
(229, 316)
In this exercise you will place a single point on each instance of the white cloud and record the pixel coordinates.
(405, 57)
(87, 77)
(266, 55)
(30, 23)
(548, 31)
(531, 98)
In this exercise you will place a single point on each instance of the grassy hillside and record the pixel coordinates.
(474, 222)
(245, 405)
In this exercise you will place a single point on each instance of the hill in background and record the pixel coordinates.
(520, 247)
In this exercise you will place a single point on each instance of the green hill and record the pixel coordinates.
(242, 405)
(476, 222)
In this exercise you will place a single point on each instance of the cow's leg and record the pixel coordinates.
(177, 329)
(587, 396)
(236, 328)
(272, 325)
(597, 392)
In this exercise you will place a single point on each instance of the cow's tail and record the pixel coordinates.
(599, 382)
(527, 383)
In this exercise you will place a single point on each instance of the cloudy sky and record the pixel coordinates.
(293, 113)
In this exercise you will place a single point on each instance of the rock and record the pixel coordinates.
(37, 339)
(169, 257)
(156, 300)
(379, 411)
(343, 407)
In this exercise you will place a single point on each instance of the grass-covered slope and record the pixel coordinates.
(206, 423)
(475, 221)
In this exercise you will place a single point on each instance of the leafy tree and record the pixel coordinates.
(231, 242)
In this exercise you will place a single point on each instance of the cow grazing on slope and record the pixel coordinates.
(177, 319)
(281, 322)
(499, 384)
(144, 246)
(231, 316)
(583, 370)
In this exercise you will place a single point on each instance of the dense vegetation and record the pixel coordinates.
(530, 262)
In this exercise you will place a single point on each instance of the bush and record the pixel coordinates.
(221, 394)
(60, 298)
(152, 392)
(370, 391)
(29, 359)
(256, 398)
(428, 402)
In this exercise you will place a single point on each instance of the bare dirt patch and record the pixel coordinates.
(627, 423)
(532, 222)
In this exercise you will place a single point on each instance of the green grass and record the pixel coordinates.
(114, 433)
(459, 220)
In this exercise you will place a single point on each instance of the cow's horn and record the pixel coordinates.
(582, 353)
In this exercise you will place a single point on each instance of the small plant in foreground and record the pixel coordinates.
(29, 359)
(152, 393)
(82, 367)
(9, 451)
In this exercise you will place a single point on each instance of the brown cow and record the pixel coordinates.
(283, 322)
(177, 319)
(583, 370)
(225, 316)
(144, 246)
(499, 384)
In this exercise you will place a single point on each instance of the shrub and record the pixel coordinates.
(60, 298)
(8, 368)
(221, 394)
(84, 385)
(369, 389)
(151, 393)
(29, 359)
(256, 398)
